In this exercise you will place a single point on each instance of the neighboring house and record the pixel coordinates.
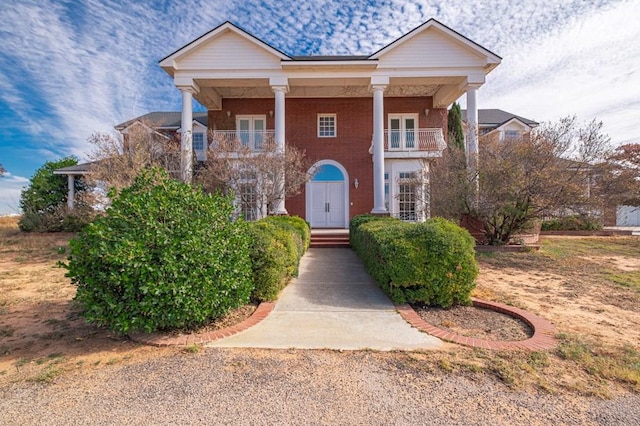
(371, 124)
(503, 124)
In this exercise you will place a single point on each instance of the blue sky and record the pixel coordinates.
(70, 68)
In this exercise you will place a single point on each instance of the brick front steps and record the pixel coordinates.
(329, 239)
(160, 339)
(542, 339)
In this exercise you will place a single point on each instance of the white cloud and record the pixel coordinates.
(10, 188)
(588, 68)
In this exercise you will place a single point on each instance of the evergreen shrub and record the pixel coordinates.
(431, 263)
(164, 256)
(277, 245)
(572, 223)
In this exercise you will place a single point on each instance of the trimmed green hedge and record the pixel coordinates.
(301, 227)
(432, 262)
(277, 244)
(572, 223)
(164, 256)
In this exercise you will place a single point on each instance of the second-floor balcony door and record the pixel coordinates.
(250, 130)
(402, 131)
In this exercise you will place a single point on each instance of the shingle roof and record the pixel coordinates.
(78, 169)
(330, 58)
(164, 119)
(496, 117)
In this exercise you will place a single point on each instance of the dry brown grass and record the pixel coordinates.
(41, 332)
(585, 286)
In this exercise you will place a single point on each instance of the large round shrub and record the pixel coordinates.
(164, 256)
(432, 262)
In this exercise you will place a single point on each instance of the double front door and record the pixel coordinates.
(327, 205)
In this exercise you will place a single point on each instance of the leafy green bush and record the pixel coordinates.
(432, 262)
(43, 202)
(164, 256)
(269, 266)
(57, 219)
(572, 223)
(301, 227)
(278, 243)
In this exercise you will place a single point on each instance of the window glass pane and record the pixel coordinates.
(394, 134)
(198, 141)
(326, 126)
(328, 173)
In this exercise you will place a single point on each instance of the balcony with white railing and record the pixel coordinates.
(414, 143)
(243, 140)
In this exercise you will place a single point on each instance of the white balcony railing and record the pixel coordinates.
(414, 140)
(254, 141)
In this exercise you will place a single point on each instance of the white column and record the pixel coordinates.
(378, 150)
(72, 191)
(279, 207)
(472, 119)
(472, 140)
(186, 126)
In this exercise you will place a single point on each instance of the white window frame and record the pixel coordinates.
(252, 139)
(408, 215)
(320, 126)
(249, 210)
(403, 131)
(512, 134)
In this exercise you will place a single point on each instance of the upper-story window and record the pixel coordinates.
(198, 141)
(326, 125)
(251, 131)
(402, 131)
(511, 134)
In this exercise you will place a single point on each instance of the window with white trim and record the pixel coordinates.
(386, 191)
(511, 134)
(251, 131)
(199, 145)
(198, 141)
(407, 196)
(248, 197)
(326, 125)
(402, 131)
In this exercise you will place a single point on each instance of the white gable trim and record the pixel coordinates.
(168, 63)
(516, 120)
(126, 130)
(492, 58)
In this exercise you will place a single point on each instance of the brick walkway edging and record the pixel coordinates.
(543, 331)
(160, 339)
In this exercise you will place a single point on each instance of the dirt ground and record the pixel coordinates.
(573, 291)
(589, 288)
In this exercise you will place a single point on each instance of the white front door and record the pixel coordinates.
(327, 205)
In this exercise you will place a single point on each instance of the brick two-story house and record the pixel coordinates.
(370, 123)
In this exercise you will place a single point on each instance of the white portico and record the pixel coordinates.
(432, 62)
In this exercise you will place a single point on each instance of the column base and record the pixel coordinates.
(380, 212)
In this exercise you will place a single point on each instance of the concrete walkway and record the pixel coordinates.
(333, 304)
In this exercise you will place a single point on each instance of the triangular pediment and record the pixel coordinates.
(434, 45)
(225, 47)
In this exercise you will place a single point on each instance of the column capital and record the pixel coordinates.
(280, 89)
(378, 87)
(469, 87)
(189, 89)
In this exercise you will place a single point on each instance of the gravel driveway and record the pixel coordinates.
(265, 387)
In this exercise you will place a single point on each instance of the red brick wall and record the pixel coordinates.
(354, 120)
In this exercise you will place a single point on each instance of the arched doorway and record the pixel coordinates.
(327, 196)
